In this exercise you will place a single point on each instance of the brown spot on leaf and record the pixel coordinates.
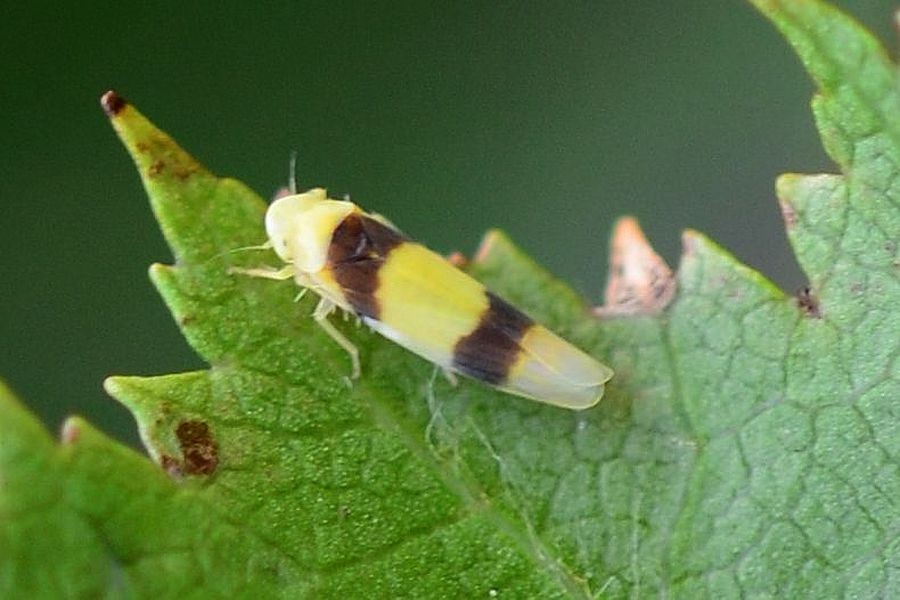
(788, 214)
(808, 303)
(186, 320)
(112, 103)
(199, 450)
(640, 282)
(171, 465)
(183, 172)
(156, 168)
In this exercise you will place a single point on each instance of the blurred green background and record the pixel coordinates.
(546, 119)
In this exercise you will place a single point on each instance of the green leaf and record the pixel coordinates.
(748, 445)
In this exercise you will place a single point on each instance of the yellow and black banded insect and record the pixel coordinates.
(361, 263)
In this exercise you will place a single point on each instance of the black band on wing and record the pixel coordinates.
(490, 351)
(359, 247)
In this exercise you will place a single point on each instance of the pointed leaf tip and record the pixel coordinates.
(112, 103)
(71, 431)
(690, 240)
(488, 244)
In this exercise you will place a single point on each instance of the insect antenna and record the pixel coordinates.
(292, 175)
(265, 246)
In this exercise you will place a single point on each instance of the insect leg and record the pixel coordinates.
(324, 308)
(450, 376)
(281, 274)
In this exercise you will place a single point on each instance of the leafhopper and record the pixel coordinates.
(360, 263)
